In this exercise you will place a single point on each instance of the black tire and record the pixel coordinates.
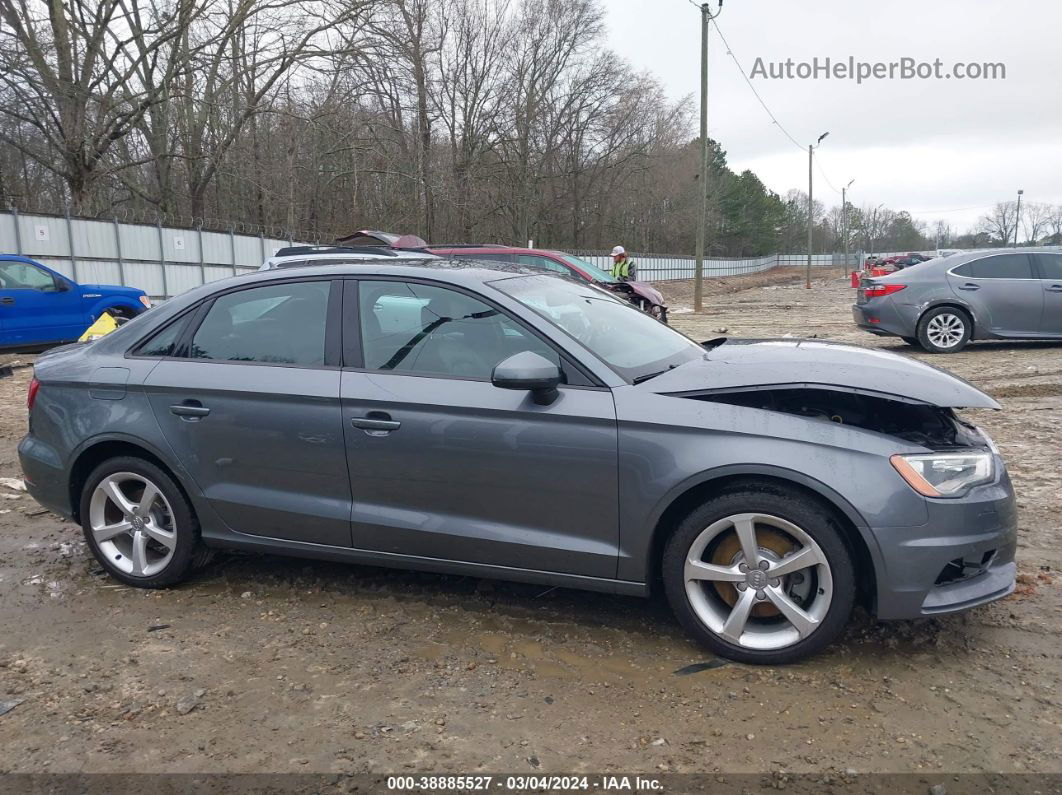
(792, 506)
(189, 552)
(945, 314)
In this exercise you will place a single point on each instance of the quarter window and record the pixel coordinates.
(277, 324)
(164, 343)
(426, 330)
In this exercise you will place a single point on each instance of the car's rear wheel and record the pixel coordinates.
(760, 574)
(139, 524)
(944, 329)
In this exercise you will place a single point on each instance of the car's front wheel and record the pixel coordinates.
(944, 329)
(760, 574)
(139, 524)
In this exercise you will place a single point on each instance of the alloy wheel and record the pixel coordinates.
(132, 524)
(945, 330)
(758, 581)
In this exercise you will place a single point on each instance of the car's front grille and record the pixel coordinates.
(965, 568)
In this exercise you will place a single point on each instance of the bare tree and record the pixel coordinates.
(71, 74)
(1000, 223)
(1036, 220)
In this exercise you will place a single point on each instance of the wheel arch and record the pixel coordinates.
(854, 529)
(97, 450)
(951, 303)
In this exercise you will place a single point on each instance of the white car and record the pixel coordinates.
(295, 256)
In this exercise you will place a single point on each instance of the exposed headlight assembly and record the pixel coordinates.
(945, 474)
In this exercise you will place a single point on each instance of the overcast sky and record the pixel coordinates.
(920, 145)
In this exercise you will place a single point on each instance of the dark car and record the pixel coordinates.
(945, 302)
(641, 294)
(487, 420)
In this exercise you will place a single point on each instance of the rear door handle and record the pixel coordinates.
(191, 409)
(970, 286)
(1054, 288)
(376, 423)
(7, 300)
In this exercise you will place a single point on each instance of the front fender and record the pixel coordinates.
(115, 302)
(642, 561)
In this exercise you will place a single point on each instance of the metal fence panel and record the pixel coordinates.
(164, 261)
(217, 248)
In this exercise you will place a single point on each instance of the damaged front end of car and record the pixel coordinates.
(924, 488)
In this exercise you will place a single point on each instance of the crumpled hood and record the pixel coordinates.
(644, 290)
(826, 365)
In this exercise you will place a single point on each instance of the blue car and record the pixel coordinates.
(40, 307)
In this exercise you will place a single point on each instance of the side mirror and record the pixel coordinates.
(61, 285)
(529, 371)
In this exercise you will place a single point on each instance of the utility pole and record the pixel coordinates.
(1017, 218)
(811, 207)
(698, 268)
(844, 221)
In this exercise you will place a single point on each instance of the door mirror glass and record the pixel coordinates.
(529, 371)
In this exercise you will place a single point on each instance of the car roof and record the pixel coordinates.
(18, 258)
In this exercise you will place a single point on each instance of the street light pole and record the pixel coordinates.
(698, 269)
(811, 207)
(844, 221)
(1017, 218)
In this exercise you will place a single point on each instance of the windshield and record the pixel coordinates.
(595, 272)
(629, 341)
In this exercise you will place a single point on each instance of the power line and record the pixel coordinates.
(778, 124)
(730, 52)
(953, 210)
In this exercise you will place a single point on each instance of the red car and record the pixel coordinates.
(640, 294)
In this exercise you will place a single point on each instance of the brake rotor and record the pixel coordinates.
(728, 552)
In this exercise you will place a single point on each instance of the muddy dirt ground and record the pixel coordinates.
(266, 664)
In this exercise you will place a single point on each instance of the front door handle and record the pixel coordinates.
(7, 300)
(970, 286)
(376, 423)
(1054, 288)
(190, 409)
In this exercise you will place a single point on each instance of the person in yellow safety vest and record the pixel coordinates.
(623, 267)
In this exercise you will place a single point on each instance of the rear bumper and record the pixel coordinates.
(46, 479)
(963, 557)
(882, 316)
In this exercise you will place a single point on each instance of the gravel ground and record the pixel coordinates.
(273, 665)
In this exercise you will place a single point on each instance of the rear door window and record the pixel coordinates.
(275, 324)
(1000, 266)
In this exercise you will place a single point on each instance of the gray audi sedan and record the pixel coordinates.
(473, 418)
(944, 303)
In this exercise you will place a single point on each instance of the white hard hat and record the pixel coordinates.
(618, 250)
